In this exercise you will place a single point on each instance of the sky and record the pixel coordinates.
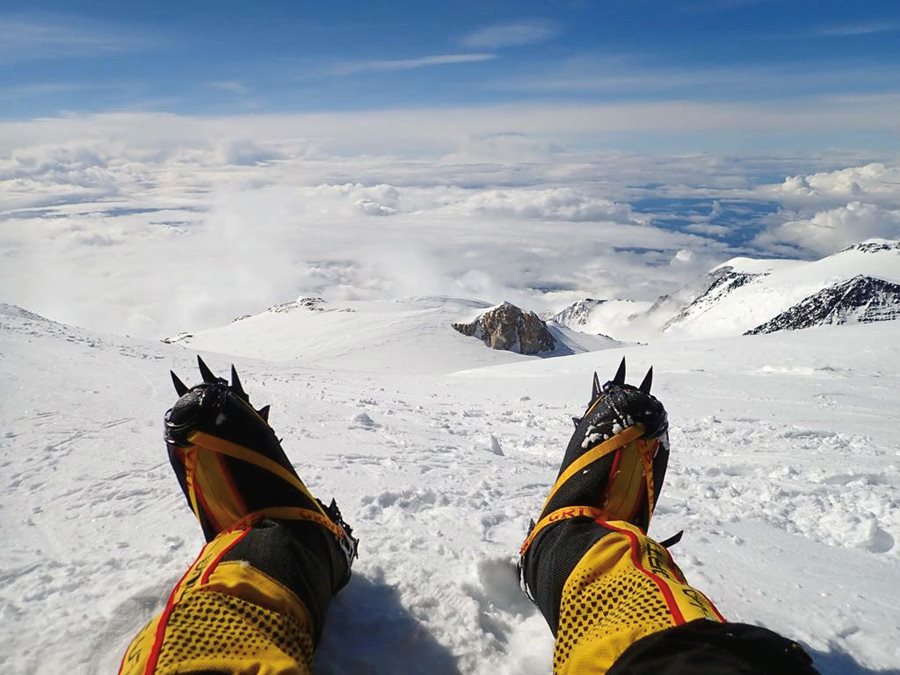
(169, 166)
(298, 57)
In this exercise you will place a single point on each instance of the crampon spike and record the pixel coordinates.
(595, 388)
(205, 372)
(236, 384)
(180, 387)
(619, 378)
(264, 412)
(648, 380)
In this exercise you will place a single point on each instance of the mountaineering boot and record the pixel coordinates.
(615, 463)
(255, 598)
(231, 466)
(600, 582)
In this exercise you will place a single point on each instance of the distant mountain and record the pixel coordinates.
(577, 315)
(412, 335)
(862, 299)
(722, 281)
(745, 295)
(603, 318)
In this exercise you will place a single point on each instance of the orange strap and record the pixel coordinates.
(556, 516)
(608, 446)
(215, 444)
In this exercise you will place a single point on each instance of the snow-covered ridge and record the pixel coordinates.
(744, 265)
(874, 246)
(603, 318)
(743, 294)
(412, 335)
(751, 302)
(860, 300)
(576, 315)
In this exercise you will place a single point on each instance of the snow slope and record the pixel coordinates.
(369, 335)
(784, 475)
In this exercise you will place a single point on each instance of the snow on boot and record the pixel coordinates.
(231, 466)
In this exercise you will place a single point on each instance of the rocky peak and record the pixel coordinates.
(509, 328)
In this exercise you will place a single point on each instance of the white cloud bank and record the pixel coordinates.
(873, 182)
(153, 224)
(827, 211)
(828, 231)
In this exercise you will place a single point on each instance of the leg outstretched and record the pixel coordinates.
(255, 598)
(611, 594)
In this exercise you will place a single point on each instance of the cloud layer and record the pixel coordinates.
(827, 211)
(35, 37)
(152, 224)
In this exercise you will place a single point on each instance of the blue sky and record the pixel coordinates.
(227, 58)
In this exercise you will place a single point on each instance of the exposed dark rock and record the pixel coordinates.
(177, 338)
(861, 299)
(874, 246)
(509, 328)
(312, 304)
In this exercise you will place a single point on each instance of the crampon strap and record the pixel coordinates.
(220, 445)
(620, 440)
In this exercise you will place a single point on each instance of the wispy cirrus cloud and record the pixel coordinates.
(860, 28)
(389, 65)
(231, 86)
(46, 89)
(512, 34)
(617, 75)
(44, 36)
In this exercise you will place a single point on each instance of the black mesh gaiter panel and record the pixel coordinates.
(552, 557)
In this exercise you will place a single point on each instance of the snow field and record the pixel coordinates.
(783, 474)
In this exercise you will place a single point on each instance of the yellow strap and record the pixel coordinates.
(643, 447)
(610, 445)
(216, 444)
(291, 513)
(556, 516)
(190, 467)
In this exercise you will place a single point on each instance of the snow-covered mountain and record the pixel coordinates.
(745, 293)
(602, 317)
(409, 334)
(862, 299)
(783, 474)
